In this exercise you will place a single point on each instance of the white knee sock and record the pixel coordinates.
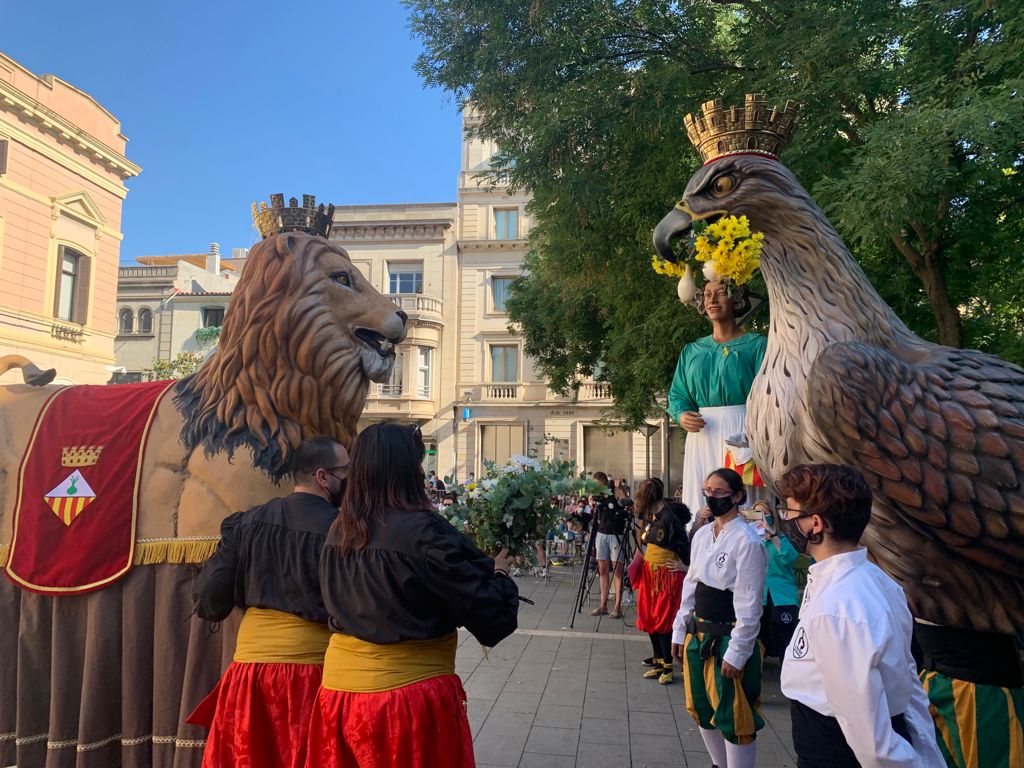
(740, 756)
(714, 742)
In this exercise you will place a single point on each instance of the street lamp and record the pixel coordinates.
(649, 430)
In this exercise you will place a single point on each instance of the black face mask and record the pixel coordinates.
(798, 538)
(337, 496)
(718, 506)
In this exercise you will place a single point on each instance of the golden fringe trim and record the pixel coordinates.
(192, 549)
(189, 549)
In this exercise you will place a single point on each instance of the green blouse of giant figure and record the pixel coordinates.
(711, 373)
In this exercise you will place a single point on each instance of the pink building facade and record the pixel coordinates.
(62, 174)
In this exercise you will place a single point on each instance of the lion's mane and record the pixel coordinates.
(283, 370)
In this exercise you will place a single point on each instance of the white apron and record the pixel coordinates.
(705, 452)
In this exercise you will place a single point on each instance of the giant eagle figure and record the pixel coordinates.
(937, 432)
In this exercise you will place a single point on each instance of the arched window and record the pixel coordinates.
(124, 321)
(145, 321)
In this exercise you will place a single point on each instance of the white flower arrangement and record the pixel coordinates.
(511, 506)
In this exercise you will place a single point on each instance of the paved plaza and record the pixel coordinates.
(557, 697)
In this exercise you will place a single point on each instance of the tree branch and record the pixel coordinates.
(911, 255)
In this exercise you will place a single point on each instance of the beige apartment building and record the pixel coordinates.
(62, 174)
(461, 374)
(170, 304)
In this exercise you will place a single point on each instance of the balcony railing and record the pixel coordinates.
(389, 390)
(147, 271)
(503, 391)
(416, 303)
(595, 390)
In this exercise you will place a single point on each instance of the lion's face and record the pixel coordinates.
(365, 321)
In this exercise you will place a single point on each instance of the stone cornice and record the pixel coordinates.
(407, 231)
(66, 132)
(478, 246)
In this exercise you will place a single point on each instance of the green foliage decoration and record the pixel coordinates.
(510, 506)
(185, 364)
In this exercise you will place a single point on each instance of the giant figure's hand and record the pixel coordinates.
(691, 421)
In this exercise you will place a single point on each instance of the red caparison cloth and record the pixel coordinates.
(657, 599)
(258, 715)
(421, 725)
(78, 487)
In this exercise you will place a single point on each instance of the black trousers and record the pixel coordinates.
(819, 741)
(661, 642)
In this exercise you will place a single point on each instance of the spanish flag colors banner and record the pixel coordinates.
(747, 470)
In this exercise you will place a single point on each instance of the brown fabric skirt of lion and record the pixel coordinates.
(98, 678)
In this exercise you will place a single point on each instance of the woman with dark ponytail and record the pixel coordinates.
(715, 631)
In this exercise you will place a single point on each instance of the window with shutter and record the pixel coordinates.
(71, 295)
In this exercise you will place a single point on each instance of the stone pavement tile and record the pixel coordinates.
(512, 701)
(647, 748)
(553, 741)
(773, 755)
(605, 709)
(593, 731)
(689, 735)
(602, 690)
(531, 657)
(602, 756)
(477, 711)
(564, 696)
(559, 716)
(484, 686)
(541, 643)
(606, 673)
(531, 760)
(656, 723)
(526, 685)
(502, 738)
(701, 760)
(650, 700)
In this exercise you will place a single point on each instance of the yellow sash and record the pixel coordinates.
(658, 557)
(356, 666)
(275, 637)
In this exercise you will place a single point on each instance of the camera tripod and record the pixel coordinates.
(626, 549)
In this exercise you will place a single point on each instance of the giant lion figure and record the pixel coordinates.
(104, 679)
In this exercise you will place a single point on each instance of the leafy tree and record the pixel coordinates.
(911, 137)
(185, 364)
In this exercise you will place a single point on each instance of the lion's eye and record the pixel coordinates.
(342, 278)
(723, 185)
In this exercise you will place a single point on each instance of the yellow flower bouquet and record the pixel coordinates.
(728, 249)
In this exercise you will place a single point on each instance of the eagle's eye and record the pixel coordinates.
(722, 186)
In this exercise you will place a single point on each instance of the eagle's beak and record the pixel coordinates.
(678, 221)
(675, 223)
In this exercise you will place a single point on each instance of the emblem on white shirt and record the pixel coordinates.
(720, 560)
(800, 647)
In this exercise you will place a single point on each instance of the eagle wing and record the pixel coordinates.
(939, 435)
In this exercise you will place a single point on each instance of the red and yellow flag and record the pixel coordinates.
(748, 471)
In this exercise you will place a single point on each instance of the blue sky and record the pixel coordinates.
(225, 102)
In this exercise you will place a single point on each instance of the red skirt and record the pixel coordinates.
(421, 725)
(657, 599)
(258, 715)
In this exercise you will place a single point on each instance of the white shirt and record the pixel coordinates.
(735, 560)
(850, 659)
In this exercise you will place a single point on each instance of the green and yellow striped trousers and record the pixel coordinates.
(731, 706)
(977, 726)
